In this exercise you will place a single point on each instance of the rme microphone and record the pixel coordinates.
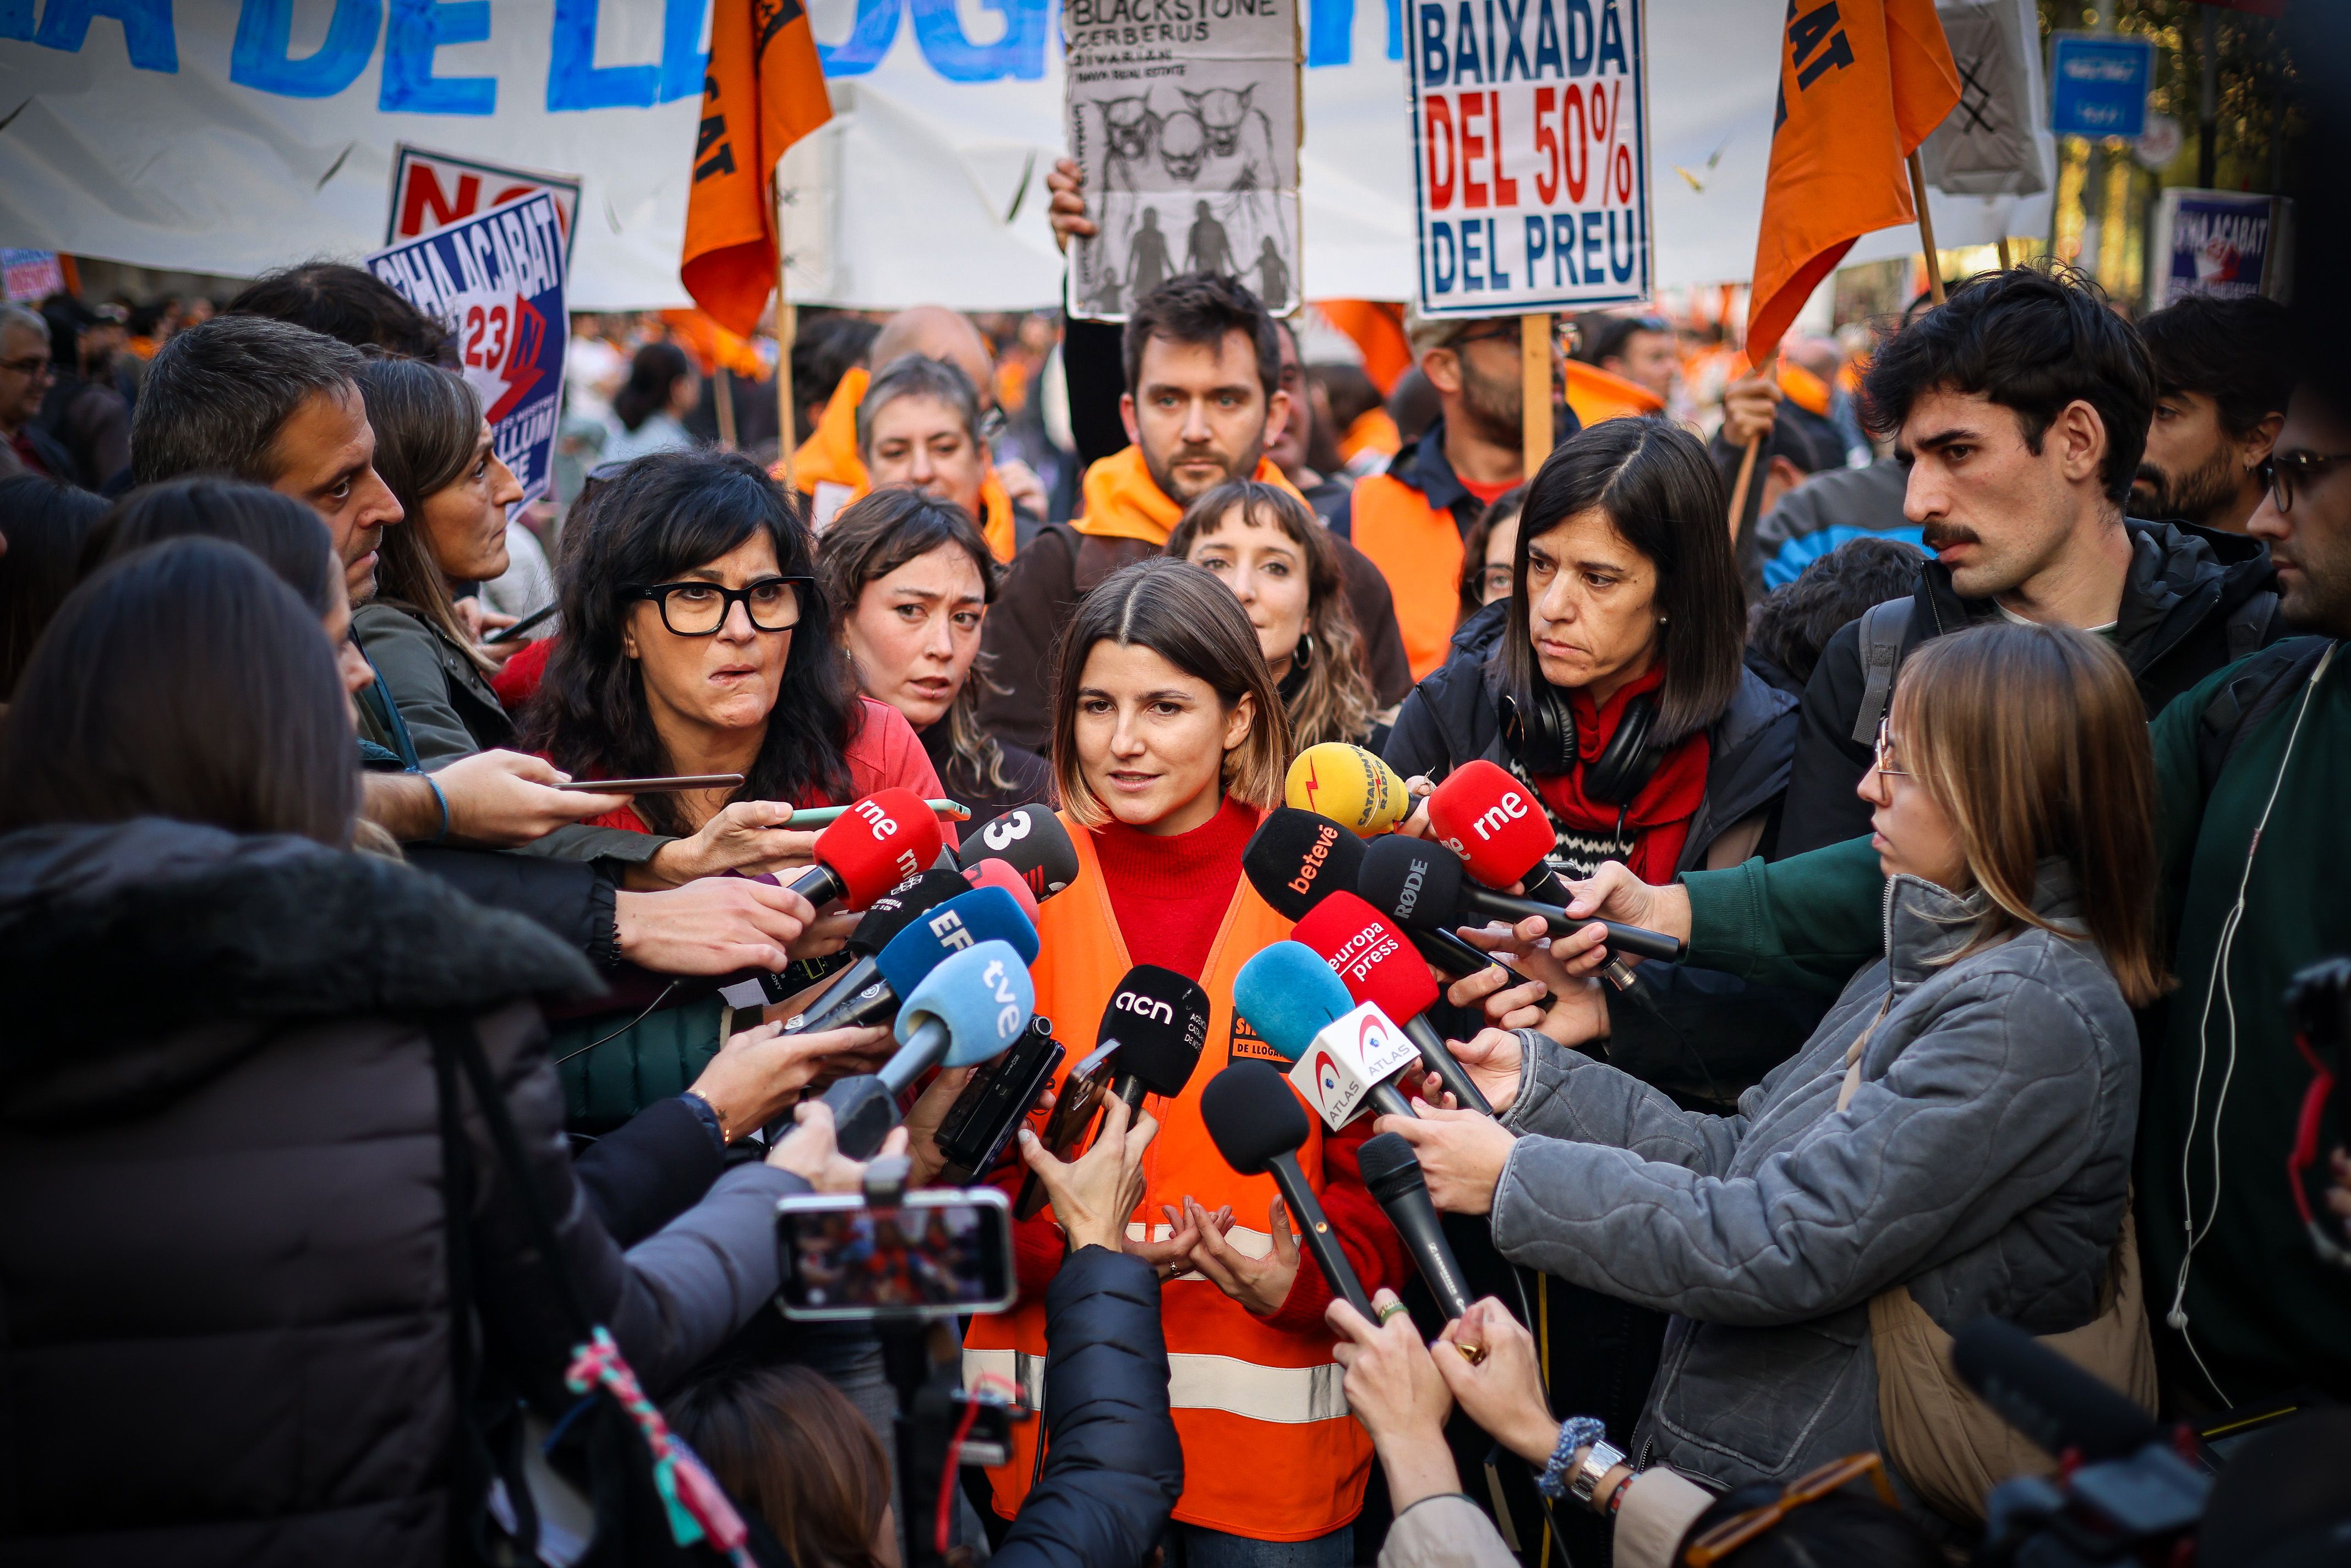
(1160, 1021)
(968, 1010)
(1420, 884)
(1032, 841)
(1341, 1054)
(885, 918)
(982, 915)
(1496, 825)
(1258, 1124)
(1348, 785)
(1373, 960)
(877, 843)
(1392, 1171)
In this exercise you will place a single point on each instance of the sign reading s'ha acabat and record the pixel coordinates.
(434, 190)
(497, 280)
(1530, 157)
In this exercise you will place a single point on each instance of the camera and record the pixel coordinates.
(935, 1254)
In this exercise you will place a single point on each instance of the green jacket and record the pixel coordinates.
(2263, 1315)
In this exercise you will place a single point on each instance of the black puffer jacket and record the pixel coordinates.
(226, 1325)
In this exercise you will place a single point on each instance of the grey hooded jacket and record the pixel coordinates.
(1983, 1161)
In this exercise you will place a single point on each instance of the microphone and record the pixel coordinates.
(1341, 1054)
(1368, 954)
(980, 916)
(885, 918)
(1258, 1127)
(1498, 828)
(969, 1009)
(877, 843)
(1421, 885)
(1392, 1171)
(1349, 786)
(1032, 841)
(2048, 1398)
(994, 873)
(1159, 1021)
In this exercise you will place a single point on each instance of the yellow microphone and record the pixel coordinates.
(1349, 786)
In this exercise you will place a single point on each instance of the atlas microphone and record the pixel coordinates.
(1392, 1171)
(981, 915)
(1496, 825)
(885, 918)
(969, 1009)
(1349, 786)
(1342, 1055)
(1258, 1124)
(1420, 884)
(1032, 841)
(1160, 1021)
(1373, 960)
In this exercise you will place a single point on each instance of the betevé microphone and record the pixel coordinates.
(1032, 841)
(1418, 884)
(1496, 825)
(994, 871)
(977, 916)
(2048, 1398)
(1392, 1171)
(1258, 1124)
(1290, 997)
(1372, 961)
(1349, 786)
(969, 1009)
(885, 918)
(876, 844)
(1160, 1021)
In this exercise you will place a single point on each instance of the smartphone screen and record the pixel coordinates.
(940, 1256)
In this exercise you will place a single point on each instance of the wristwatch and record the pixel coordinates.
(1591, 1467)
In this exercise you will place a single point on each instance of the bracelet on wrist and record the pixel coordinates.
(1577, 1432)
(434, 785)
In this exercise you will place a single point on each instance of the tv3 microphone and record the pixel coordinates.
(1032, 841)
(967, 920)
(1159, 1021)
(885, 918)
(1258, 1127)
(968, 1010)
(1373, 960)
(1341, 1054)
(1348, 785)
(1392, 1171)
(1421, 885)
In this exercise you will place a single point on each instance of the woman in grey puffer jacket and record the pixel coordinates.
(1960, 1124)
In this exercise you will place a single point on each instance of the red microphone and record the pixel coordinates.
(873, 847)
(1378, 963)
(994, 872)
(1497, 826)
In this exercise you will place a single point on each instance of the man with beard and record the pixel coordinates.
(2222, 377)
(2019, 409)
(1411, 519)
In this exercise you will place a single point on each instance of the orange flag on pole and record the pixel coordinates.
(764, 90)
(1862, 84)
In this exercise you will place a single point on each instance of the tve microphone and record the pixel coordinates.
(878, 843)
(1032, 841)
(994, 873)
(1349, 786)
(2046, 1398)
(1373, 960)
(967, 920)
(1160, 1021)
(1420, 884)
(885, 918)
(1497, 826)
(1392, 1173)
(968, 1010)
(1342, 1053)
(1258, 1127)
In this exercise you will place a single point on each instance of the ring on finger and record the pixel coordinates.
(1391, 1310)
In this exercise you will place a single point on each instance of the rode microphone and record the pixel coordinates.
(1032, 841)
(1372, 961)
(994, 873)
(1496, 825)
(968, 1010)
(1159, 1021)
(979, 916)
(2048, 1398)
(877, 843)
(1349, 786)
(1258, 1124)
(1392, 1171)
(1420, 884)
(1342, 1053)
(885, 918)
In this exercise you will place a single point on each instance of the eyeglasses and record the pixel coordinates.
(1739, 1529)
(40, 370)
(2280, 475)
(1885, 751)
(700, 608)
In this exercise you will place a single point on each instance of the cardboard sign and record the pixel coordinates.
(1530, 154)
(497, 280)
(30, 277)
(430, 191)
(2230, 245)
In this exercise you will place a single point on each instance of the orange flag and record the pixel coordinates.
(1862, 84)
(764, 90)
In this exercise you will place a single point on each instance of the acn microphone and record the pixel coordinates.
(1373, 961)
(1159, 1019)
(968, 1010)
(1420, 884)
(1258, 1124)
(1392, 1171)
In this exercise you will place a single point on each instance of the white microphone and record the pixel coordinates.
(1350, 1061)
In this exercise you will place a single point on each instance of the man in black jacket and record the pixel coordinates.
(2019, 409)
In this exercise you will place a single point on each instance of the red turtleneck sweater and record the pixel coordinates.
(1170, 891)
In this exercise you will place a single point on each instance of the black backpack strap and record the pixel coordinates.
(1882, 626)
(2262, 683)
(2248, 626)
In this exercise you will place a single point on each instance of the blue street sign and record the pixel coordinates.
(2098, 84)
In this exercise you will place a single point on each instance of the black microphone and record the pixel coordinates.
(1392, 1173)
(1032, 841)
(1258, 1124)
(1422, 884)
(885, 918)
(1160, 1021)
(2048, 1398)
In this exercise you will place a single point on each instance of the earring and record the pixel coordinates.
(1304, 654)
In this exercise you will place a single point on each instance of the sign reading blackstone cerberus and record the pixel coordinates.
(497, 280)
(1531, 159)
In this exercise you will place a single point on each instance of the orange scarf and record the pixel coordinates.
(830, 456)
(1124, 502)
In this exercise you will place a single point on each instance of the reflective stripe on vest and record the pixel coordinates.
(1417, 548)
(1282, 1395)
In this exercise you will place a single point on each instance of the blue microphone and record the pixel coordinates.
(969, 1008)
(983, 915)
(1289, 995)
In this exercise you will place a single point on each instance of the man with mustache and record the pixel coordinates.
(2019, 409)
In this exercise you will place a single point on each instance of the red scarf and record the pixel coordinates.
(1655, 822)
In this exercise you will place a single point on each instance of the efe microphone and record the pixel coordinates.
(982, 915)
(1371, 960)
(1258, 1124)
(1392, 1171)
(967, 1010)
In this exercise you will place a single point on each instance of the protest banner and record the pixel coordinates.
(1530, 157)
(433, 190)
(2231, 245)
(497, 280)
(1185, 120)
(30, 275)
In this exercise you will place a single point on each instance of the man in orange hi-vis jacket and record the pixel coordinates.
(764, 90)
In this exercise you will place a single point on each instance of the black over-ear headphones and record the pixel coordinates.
(1540, 732)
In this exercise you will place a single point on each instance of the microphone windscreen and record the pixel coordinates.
(1493, 821)
(1370, 956)
(1160, 1020)
(1412, 882)
(979, 915)
(2045, 1396)
(1032, 841)
(983, 996)
(1295, 858)
(879, 843)
(889, 915)
(1349, 786)
(1288, 994)
(1389, 1168)
(994, 873)
(1252, 1116)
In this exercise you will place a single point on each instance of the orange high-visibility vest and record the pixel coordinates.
(1270, 1451)
(1417, 548)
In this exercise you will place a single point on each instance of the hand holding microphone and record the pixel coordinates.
(1421, 885)
(877, 843)
(1392, 1172)
(969, 1009)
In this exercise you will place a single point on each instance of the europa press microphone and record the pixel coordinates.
(1032, 841)
(1349, 786)
(967, 1010)
(1392, 1171)
(970, 919)
(885, 918)
(1258, 1124)
(1375, 964)
(1420, 884)
(1342, 1055)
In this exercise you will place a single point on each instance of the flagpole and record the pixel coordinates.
(1927, 230)
(1746, 464)
(1535, 432)
(786, 327)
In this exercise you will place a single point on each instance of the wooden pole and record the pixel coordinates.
(724, 395)
(2006, 261)
(1534, 391)
(1746, 464)
(1927, 231)
(786, 326)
